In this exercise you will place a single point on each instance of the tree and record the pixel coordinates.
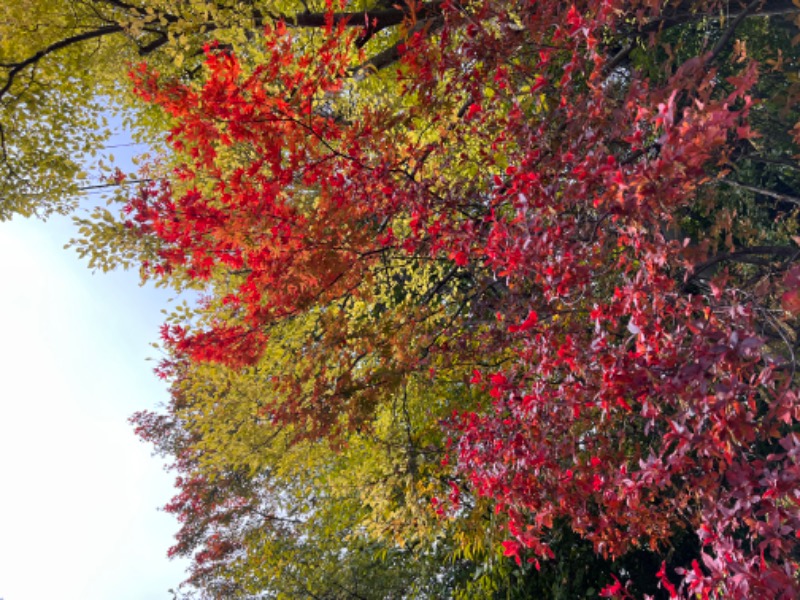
(550, 207)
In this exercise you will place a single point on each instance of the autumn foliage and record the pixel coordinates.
(526, 210)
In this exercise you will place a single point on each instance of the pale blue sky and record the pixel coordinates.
(78, 491)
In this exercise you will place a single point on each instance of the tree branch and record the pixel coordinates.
(763, 192)
(770, 8)
(745, 255)
(375, 19)
(15, 68)
(159, 41)
(726, 37)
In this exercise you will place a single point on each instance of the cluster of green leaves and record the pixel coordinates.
(49, 110)
(344, 519)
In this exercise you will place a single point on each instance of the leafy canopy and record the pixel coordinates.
(506, 278)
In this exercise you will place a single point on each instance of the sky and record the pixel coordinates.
(79, 492)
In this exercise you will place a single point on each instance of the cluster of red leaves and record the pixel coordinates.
(631, 408)
(251, 221)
